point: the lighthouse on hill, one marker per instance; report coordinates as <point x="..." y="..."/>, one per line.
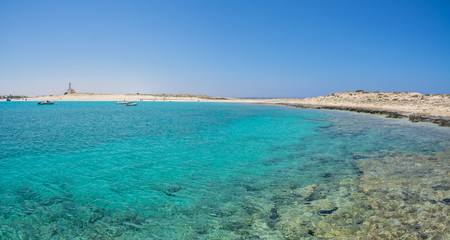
<point x="70" y="89"/>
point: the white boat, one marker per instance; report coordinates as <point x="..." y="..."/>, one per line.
<point x="130" y="104"/>
<point x="123" y="102"/>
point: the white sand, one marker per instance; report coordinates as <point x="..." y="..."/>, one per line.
<point x="437" y="105"/>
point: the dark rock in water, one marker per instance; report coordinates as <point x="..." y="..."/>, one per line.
<point x="433" y="201"/>
<point x="327" y="175"/>
<point x="311" y="232"/>
<point x="168" y="194"/>
<point x="441" y="187"/>
<point x="173" y="189"/>
<point x="250" y="188"/>
<point x="393" y="115"/>
<point x="417" y="227"/>
<point x="326" y="212"/>
<point x="442" y="122"/>
<point x="274" y="213"/>
<point x="446" y="200"/>
<point x="415" y="118"/>
<point x="359" y="172"/>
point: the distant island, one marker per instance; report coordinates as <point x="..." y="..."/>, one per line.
<point x="415" y="106"/>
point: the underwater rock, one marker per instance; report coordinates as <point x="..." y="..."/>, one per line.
<point x="274" y="213"/>
<point x="326" y="212"/>
<point x="168" y="193"/>
<point x="324" y="205"/>
<point x="327" y="175"/>
<point x="401" y="189"/>
<point x="446" y="200"/>
<point x="261" y="229"/>
<point x="441" y="187"/>
<point x="250" y="188"/>
<point x="305" y="192"/>
<point x="173" y="189"/>
<point x="292" y="227"/>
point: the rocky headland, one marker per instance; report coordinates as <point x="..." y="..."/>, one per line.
<point x="414" y="106"/>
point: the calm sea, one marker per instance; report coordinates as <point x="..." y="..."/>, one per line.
<point x="160" y="170"/>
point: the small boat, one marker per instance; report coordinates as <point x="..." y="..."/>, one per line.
<point x="123" y="102"/>
<point x="130" y="104"/>
<point x="46" y="103"/>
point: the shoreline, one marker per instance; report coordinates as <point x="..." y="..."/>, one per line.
<point x="441" y="121"/>
<point x="434" y="108"/>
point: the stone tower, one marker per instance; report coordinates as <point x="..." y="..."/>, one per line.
<point x="70" y="90"/>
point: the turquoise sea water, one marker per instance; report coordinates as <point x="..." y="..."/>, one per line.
<point x="97" y="170"/>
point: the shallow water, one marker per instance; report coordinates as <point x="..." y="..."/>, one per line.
<point x="190" y="170"/>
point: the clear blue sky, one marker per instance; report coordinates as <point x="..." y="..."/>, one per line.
<point x="243" y="48"/>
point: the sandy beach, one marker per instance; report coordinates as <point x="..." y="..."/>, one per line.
<point x="128" y="97"/>
<point x="415" y="106"/>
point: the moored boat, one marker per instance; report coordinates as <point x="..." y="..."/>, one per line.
<point x="130" y="104"/>
<point x="123" y="102"/>
<point x="46" y="103"/>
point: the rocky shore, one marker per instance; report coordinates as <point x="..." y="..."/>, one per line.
<point x="441" y="121"/>
<point x="416" y="107"/>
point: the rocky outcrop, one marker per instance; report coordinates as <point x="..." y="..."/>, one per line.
<point x="441" y="121"/>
